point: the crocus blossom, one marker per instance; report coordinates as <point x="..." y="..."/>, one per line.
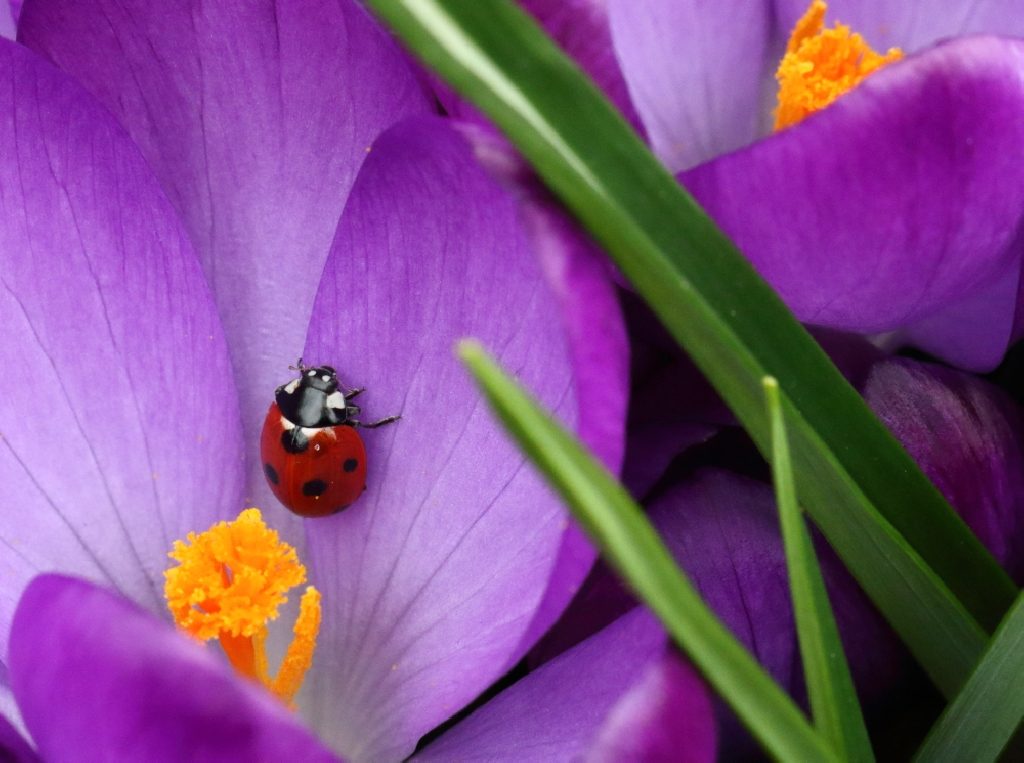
<point x="893" y="211"/>
<point x="205" y="194"/>
<point x="716" y="511"/>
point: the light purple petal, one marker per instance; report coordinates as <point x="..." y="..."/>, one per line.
<point x="586" y="698"/>
<point x="8" y="22"/>
<point x="8" y="707"/>
<point x="13" y="747"/>
<point x="255" y="117"/>
<point x="966" y="435"/>
<point x="118" y="415"/>
<point x="99" y="679"/>
<point x="901" y="199"/>
<point x="440" y="578"/>
<point x="583" y="30"/>
<point x="912" y="24"/>
<point x="696" y="71"/>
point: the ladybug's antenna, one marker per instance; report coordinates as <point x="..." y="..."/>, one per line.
<point x="299" y="366"/>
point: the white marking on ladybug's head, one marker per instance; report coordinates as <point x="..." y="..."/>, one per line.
<point x="326" y="378"/>
<point x="336" y="400"/>
<point x="311" y="372"/>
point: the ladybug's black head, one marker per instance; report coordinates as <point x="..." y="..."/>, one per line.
<point x="312" y="400"/>
<point x="322" y="378"/>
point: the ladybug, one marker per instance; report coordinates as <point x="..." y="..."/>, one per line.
<point x="313" y="457"/>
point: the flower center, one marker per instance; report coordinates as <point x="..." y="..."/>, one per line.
<point x="229" y="583"/>
<point x="821" y="64"/>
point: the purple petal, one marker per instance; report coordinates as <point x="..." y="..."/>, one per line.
<point x="589" y="700"/>
<point x="723" y="530"/>
<point x="913" y="24"/>
<point x="8" y="21"/>
<point x="582" y="28"/>
<point x="974" y="332"/>
<point x="901" y="199"/>
<point x="99" y="679"/>
<point x="119" y="421"/>
<point x="697" y="72"/>
<point x="8" y="707"/>
<point x="440" y="577"/>
<point x="255" y="117"/>
<point x="664" y="718"/>
<point x="965" y="434"/>
<point x="13" y="747"/>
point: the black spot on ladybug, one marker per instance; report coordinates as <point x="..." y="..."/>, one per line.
<point x="271" y="473"/>
<point x="314" y="488"/>
<point x="294" y="441"/>
<point x="350" y="465"/>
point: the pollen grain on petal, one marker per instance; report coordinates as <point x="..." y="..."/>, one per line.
<point x="822" y="64"/>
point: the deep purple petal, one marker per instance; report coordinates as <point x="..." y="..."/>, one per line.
<point x="579" y="280"/>
<point x="696" y="71"/>
<point x="583" y="30"/>
<point x="99" y="679"/>
<point x="119" y="420"/>
<point x="589" y="698"/>
<point x="440" y="577"/>
<point x="256" y="117"/>
<point x="901" y="199"/>
<point x="966" y="435"/>
<point x="723" y="530"/>
<point x="578" y="274"/>
<point x="973" y="332"/>
<point x="912" y="24"/>
<point x="13" y="747"/>
<point x="666" y="717"/>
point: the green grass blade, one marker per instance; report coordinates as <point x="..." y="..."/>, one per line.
<point x="632" y="545"/>
<point x="982" y="718"/>
<point x="834" y="703"/>
<point x="916" y="559"/>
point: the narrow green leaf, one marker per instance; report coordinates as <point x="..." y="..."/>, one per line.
<point x="982" y="718"/>
<point x="830" y="687"/>
<point x="929" y="575"/>
<point x="633" y="546"/>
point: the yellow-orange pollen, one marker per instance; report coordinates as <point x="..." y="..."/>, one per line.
<point x="821" y="64"/>
<point x="229" y="583"/>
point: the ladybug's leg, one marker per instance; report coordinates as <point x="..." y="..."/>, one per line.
<point x="352" y="393"/>
<point x="375" y="424"/>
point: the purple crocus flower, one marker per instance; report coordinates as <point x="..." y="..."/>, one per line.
<point x="894" y="211"/>
<point x="192" y="197"/>
<point x="715" y="509"/>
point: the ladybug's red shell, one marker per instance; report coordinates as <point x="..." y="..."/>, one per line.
<point x="314" y="471"/>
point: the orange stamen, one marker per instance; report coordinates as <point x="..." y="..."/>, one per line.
<point x="229" y="583"/>
<point x="822" y="64"/>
